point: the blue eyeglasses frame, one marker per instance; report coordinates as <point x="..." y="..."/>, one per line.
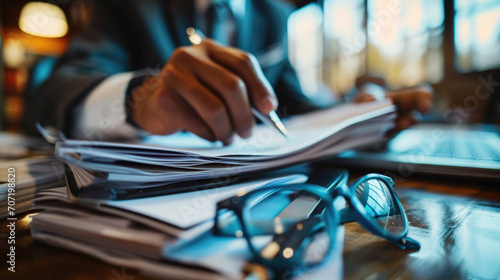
<point x="337" y="188"/>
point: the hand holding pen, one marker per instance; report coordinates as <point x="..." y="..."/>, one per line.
<point x="207" y="89"/>
<point x="272" y="119"/>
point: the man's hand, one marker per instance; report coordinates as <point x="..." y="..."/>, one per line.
<point x="206" y="89"/>
<point x="410" y="101"/>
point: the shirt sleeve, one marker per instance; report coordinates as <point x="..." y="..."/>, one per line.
<point x="102" y="114"/>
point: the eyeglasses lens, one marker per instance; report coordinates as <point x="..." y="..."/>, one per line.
<point x="290" y="225"/>
<point x="381" y="205"/>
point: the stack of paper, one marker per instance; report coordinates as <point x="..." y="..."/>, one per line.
<point x="29" y="166"/>
<point x="168" y="236"/>
<point x="169" y="161"/>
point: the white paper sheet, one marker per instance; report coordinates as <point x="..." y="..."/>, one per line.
<point x="184" y="157"/>
<point x="186" y="210"/>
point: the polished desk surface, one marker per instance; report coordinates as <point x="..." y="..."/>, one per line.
<point x="456" y="221"/>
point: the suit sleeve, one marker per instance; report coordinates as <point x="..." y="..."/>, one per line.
<point x="289" y="92"/>
<point x="92" y="56"/>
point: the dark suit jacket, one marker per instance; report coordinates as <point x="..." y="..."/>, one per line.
<point x="140" y="35"/>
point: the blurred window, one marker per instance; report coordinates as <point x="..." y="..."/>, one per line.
<point x="345" y="43"/>
<point x="400" y="41"/>
<point x="405" y="41"/>
<point x="305" y="42"/>
<point x="477" y="35"/>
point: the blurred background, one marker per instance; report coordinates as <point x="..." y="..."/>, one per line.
<point x="454" y="45"/>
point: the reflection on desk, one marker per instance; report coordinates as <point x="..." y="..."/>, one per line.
<point x="457" y="223"/>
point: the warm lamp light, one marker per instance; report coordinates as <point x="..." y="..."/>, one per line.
<point x="43" y="19"/>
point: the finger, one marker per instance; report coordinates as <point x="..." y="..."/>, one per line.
<point x="405" y="101"/>
<point x="232" y="91"/>
<point x="406" y="120"/>
<point x="148" y="113"/>
<point x="166" y="114"/>
<point x="246" y="66"/>
<point x="414" y="98"/>
<point x="366" y="97"/>
<point x="370" y="92"/>
<point x="425" y="102"/>
<point x="191" y="121"/>
<point x="206" y="104"/>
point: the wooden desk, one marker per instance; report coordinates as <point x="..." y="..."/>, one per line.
<point x="457" y="223"/>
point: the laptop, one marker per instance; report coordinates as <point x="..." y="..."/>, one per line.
<point x="471" y="151"/>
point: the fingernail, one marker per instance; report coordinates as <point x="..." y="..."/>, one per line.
<point x="428" y="106"/>
<point x="366" y="98"/>
<point x="246" y="134"/>
<point x="228" y="141"/>
<point x="267" y="105"/>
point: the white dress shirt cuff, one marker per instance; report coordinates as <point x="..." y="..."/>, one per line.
<point x="102" y="114"/>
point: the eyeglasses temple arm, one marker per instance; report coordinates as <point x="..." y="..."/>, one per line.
<point x="408" y="243"/>
<point x="327" y="177"/>
<point x="296" y="237"/>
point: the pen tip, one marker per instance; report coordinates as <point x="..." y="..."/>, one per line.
<point x="279" y="124"/>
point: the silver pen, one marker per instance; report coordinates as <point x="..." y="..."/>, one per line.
<point x="195" y="36"/>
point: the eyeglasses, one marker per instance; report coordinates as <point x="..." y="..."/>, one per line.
<point x="296" y="225"/>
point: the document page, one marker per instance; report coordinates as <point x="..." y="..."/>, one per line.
<point x="186" y="210"/>
<point x="303" y="131"/>
<point x="183" y="157"/>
